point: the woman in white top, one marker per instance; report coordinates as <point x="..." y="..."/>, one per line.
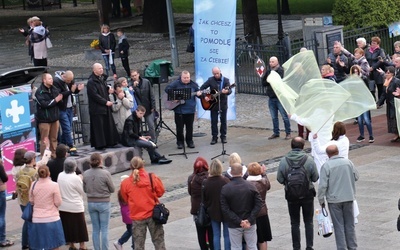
<point x="339" y="139"/>
<point x="72" y="207"/>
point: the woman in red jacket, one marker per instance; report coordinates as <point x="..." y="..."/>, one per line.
<point x="141" y="196"/>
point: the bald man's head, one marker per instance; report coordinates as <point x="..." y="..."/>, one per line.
<point x="298" y="143"/>
<point x="332" y="150"/>
<point x="273" y="62"/>
<point x="97" y="69"/>
<point x="68" y="76"/>
<point x="216" y="73"/>
<point x="236" y="169"/>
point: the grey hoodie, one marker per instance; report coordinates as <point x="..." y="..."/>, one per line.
<point x="295" y="155"/>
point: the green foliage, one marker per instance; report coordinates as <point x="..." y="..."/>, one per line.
<point x="268" y="6"/>
<point x="365" y="13"/>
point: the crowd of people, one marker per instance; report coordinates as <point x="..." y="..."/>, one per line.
<point x="235" y="201"/>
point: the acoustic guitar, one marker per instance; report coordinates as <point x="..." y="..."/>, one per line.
<point x="171" y="105"/>
<point x="213" y="96"/>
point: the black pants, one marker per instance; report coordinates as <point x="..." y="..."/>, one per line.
<point x="201" y="237"/>
<point x="40" y="62"/>
<point x="125" y="64"/>
<point x="214" y="123"/>
<point x="182" y="120"/>
<point x="307" y="207"/>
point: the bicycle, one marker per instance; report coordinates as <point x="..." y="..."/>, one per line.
<point x="245" y="49"/>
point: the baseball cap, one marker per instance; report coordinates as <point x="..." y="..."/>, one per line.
<point x="29" y="156"/>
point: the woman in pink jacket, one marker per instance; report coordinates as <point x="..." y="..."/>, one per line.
<point x="46" y="231"/>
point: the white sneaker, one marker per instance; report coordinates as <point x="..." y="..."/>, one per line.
<point x="117" y="245"/>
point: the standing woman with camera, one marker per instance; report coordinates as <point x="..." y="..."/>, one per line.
<point x="374" y="55"/>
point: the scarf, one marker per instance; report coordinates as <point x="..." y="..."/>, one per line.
<point x="372" y="49"/>
<point x="328" y="74"/>
<point x="387" y="82"/>
<point x="105" y="34"/>
<point x="121" y="38"/>
<point x="40" y="30"/>
<point x="254" y="178"/>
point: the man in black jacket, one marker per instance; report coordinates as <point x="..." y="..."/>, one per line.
<point x="64" y="82"/>
<point x="273" y="102"/>
<point x="132" y="137"/>
<point x="219" y="84"/>
<point x="240" y="204"/>
<point x="144" y="96"/>
<point x="47" y="112"/>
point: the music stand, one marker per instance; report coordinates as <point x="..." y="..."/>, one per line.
<point x="161" y="121"/>
<point x="180" y="95"/>
<point x="223" y="153"/>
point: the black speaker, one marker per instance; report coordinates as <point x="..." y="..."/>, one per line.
<point x="164" y="68"/>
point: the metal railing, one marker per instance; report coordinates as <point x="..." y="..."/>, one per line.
<point x="387" y="41"/>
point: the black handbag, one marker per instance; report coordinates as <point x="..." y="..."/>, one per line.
<point x="190" y="47"/>
<point x="398" y="223"/>
<point x="160" y="212"/>
<point x="202" y="218"/>
<point x="28" y="210"/>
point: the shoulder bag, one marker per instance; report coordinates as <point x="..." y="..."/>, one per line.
<point x="202" y="218"/>
<point x="160" y="212"/>
<point x="49" y="45"/>
<point x="28" y="210"/>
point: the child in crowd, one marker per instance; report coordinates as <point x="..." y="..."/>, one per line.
<point x="126" y="219"/>
<point x="123" y="49"/>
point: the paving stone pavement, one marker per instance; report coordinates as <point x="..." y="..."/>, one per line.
<point x="377" y="189"/>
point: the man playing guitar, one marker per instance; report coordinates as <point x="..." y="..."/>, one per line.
<point x="184" y="113"/>
<point x="220" y="84"/>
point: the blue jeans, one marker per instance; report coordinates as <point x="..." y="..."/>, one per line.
<point x="365" y="118"/>
<point x="125" y="237"/>
<point x="24" y="240"/>
<point x="150" y="124"/>
<point x="216" y="226"/>
<point x="2" y="216"/>
<point x="274" y="106"/>
<point x="100" y="215"/>
<point x="66" y="127"/>
<point x="106" y="59"/>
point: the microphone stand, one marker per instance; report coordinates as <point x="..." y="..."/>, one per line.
<point x="223" y="153"/>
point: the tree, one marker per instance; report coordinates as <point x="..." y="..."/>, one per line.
<point x="155" y="19"/>
<point x="104" y="7"/>
<point x="251" y="22"/>
<point x="365" y="13"/>
<point x="285" y="7"/>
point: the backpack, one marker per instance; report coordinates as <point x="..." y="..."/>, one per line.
<point x="297" y="182"/>
<point x="24" y="182"/>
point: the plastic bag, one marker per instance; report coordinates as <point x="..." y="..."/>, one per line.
<point x="325" y="227"/>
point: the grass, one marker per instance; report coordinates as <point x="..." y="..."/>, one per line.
<point x="268" y="6"/>
<point x="264" y="6"/>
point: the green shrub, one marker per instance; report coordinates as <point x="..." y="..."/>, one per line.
<point x="365" y="13"/>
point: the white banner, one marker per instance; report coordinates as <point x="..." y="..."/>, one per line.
<point x="214" y="39"/>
